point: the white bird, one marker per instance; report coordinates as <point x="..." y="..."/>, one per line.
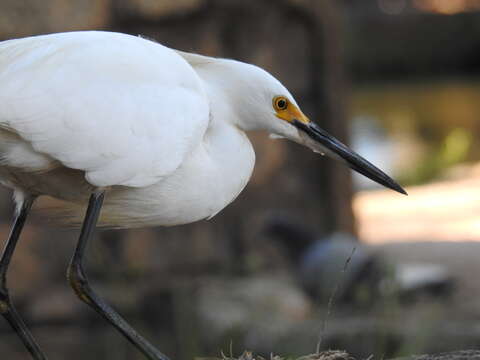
<point x="158" y="133"/>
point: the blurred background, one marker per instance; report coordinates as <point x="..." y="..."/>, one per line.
<point x="308" y="256"/>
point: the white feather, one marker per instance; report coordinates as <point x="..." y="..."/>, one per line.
<point x="162" y="130"/>
<point x="97" y="110"/>
<point x="276" y="136"/>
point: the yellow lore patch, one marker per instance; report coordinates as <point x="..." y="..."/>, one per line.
<point x="287" y="111"/>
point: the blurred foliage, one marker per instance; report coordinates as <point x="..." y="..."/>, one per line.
<point x="432" y="121"/>
<point x="452" y="150"/>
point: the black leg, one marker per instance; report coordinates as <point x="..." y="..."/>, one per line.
<point x="79" y="282"/>
<point x="6" y="306"/>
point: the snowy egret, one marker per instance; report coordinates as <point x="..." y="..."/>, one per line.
<point x="157" y="133"/>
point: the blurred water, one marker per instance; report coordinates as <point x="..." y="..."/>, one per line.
<point x="370" y="140"/>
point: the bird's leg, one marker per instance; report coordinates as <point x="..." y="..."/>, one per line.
<point x="6" y="306"/>
<point x="79" y="282"/>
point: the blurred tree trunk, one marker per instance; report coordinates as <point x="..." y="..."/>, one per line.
<point x="328" y="91"/>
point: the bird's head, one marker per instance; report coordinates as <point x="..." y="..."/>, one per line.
<point x="252" y="99"/>
<point x="264" y="103"/>
<point x="313" y="136"/>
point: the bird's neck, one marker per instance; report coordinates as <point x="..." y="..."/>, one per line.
<point x="225" y="91"/>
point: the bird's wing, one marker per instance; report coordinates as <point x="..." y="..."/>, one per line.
<point x="125" y="110"/>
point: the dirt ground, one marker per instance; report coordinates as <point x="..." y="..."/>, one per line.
<point x="461" y="259"/>
<point x="433" y="323"/>
<point x="456" y="355"/>
<point x="438" y="223"/>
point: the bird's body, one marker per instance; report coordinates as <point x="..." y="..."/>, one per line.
<point x="144" y="126"/>
<point x="150" y="135"/>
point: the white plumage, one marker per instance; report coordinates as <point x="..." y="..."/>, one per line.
<point x="83" y="99"/>
<point x="127" y="112"/>
<point x="162" y="130"/>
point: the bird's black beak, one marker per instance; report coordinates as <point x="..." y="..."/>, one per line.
<point x="342" y="152"/>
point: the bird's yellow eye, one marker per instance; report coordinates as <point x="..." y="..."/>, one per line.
<point x="280" y="103"/>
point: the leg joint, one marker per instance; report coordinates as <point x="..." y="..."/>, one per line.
<point x="4" y="301"/>
<point x="78" y="281"/>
